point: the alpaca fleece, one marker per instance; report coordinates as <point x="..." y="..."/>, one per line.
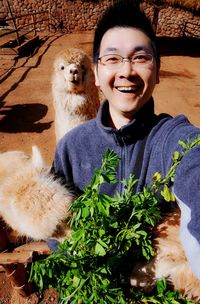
<point x="32" y="201"/>
<point x="75" y="96"/>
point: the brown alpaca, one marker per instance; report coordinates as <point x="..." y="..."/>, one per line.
<point x="75" y="96"/>
<point x="32" y="202"/>
<point x="170" y="261"/>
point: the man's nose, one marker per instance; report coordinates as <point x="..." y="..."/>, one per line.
<point x="127" y="68"/>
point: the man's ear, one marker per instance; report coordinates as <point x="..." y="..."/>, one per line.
<point x="157" y="78"/>
<point x="157" y="73"/>
<point x="96" y="75"/>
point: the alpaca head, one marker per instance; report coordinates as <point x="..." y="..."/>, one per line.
<point x="72" y="71"/>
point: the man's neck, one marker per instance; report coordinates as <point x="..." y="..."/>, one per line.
<point x="118" y="121"/>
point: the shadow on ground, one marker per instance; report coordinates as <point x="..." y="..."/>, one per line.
<point x="23" y="118"/>
<point x="179" y="46"/>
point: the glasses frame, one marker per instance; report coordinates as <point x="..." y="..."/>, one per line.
<point x="123" y="59"/>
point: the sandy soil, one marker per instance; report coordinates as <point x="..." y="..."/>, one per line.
<point x="26" y="112"/>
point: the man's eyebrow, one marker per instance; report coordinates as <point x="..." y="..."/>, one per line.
<point x="142" y="48"/>
<point x="135" y="49"/>
<point x="111" y="49"/>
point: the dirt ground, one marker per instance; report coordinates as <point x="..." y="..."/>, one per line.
<point x="26" y="112"/>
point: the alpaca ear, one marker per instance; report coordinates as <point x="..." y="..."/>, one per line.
<point x="37" y="159"/>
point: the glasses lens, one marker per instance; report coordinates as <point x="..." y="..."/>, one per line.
<point x="111" y="59"/>
<point x="142" y="58"/>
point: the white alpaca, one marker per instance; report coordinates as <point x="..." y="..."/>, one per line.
<point x="75" y="95"/>
<point x="32" y="202"/>
<point x="170" y="261"/>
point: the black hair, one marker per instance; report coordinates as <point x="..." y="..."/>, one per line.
<point x="124" y="13"/>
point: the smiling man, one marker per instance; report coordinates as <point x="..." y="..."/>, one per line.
<point x="127" y="65"/>
<point x="126" y="72"/>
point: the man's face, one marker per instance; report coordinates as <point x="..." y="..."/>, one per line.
<point x="128" y="86"/>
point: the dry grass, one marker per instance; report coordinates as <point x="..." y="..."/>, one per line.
<point x="192" y="5"/>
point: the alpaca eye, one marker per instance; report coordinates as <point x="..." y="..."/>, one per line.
<point x="62" y="67"/>
<point x="83" y="67"/>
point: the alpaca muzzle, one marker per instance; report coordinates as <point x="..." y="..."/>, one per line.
<point x="74" y="74"/>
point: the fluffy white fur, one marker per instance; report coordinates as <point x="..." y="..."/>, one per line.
<point x="32" y="202"/>
<point x="75" y="95"/>
<point x="170" y="261"/>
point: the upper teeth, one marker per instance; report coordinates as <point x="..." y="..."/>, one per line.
<point x="126" y="88"/>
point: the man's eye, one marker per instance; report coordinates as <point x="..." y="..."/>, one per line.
<point x="112" y="59"/>
<point x="141" y="58"/>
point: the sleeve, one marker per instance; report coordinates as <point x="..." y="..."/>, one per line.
<point x="187" y="191"/>
<point x="186" y="185"/>
<point x="190" y="244"/>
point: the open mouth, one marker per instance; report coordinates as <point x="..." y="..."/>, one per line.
<point x="74" y="78"/>
<point x="130" y="89"/>
<point x="75" y="81"/>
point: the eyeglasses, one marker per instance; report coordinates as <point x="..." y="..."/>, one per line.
<point x="115" y="61"/>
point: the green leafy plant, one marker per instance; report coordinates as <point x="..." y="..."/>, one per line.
<point x="108" y="235"/>
<point x="162" y="295"/>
